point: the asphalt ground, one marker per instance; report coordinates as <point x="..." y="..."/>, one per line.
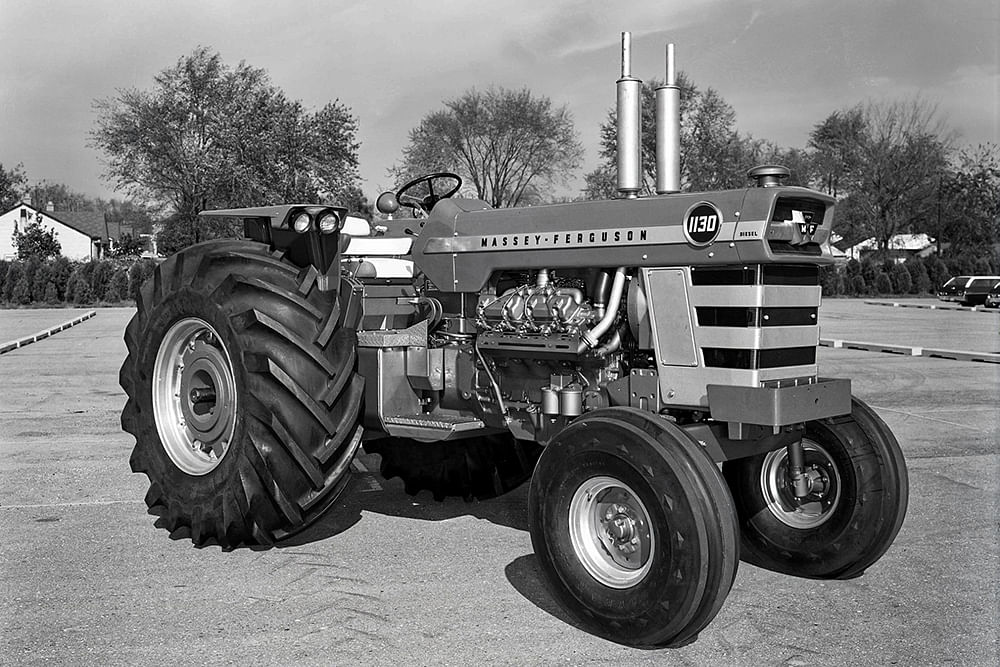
<point x="386" y="578"/>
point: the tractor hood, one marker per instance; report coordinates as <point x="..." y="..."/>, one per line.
<point x="464" y="240"/>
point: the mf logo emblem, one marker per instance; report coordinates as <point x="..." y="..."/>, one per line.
<point x="702" y="224"/>
<point x="805" y="222"/>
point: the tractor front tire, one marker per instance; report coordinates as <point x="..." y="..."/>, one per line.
<point x="634" y="528"/>
<point x="852" y="514"/>
<point x="242" y="394"/>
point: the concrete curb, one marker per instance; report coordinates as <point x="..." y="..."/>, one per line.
<point x="912" y="351"/>
<point x="897" y="304"/>
<point x="45" y="333"/>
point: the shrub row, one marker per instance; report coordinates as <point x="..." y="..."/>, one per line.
<point x="111" y="281"/>
<point x="57" y="281"/>
<point x="915" y="276"/>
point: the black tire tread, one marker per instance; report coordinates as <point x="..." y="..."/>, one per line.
<point x="292" y="464"/>
<point x="879" y="468"/>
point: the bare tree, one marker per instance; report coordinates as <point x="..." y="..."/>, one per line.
<point x="509" y="146"/>
<point x="899" y="157"/>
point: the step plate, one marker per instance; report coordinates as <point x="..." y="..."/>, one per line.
<point x="430" y="427"/>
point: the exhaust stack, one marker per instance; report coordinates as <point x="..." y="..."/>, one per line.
<point x="668" y="131"/>
<point x="629" y="97"/>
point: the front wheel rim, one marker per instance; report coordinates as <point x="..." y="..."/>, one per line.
<point x="194" y="396"/>
<point x="611" y="532"/>
<point x="825" y="484"/>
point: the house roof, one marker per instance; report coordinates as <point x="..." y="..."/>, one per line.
<point x="91" y="223"/>
<point x="899" y="242"/>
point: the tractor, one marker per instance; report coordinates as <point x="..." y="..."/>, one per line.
<point x="647" y="362"/>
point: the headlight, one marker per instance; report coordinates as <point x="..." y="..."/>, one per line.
<point x="302" y="223"/>
<point x="329" y="222"/>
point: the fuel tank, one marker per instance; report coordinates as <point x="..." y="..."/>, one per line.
<point x="464" y="241"/>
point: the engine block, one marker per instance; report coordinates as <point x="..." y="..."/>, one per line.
<point x="527" y="309"/>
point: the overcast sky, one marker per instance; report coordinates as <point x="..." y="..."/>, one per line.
<point x="784" y="65"/>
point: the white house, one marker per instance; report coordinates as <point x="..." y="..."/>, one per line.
<point x="901" y="247"/>
<point x="82" y="235"/>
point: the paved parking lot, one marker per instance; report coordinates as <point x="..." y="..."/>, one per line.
<point x="85" y="578"/>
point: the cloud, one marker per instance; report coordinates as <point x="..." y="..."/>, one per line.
<point x="783" y="64"/>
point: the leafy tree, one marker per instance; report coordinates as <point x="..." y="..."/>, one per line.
<point x="902" y="281"/>
<point x="21" y="294"/>
<point x="509" y="146"/>
<point x="13" y="277"/>
<point x="61" y="197"/>
<point x="918" y="273"/>
<point x="34" y="241"/>
<point x="835" y="143"/>
<point x="39" y="284"/>
<point x="883" y="285"/>
<point x="78" y="289"/>
<point x="127" y="246"/>
<point x="937" y="271"/>
<point x="207" y="135"/>
<point x="13" y="182"/>
<point x="62" y="267"/>
<point x="101" y="274"/>
<point x="138" y="273"/>
<point x="967" y="212"/>
<point x="117" y="289"/>
<point x="51" y="295"/>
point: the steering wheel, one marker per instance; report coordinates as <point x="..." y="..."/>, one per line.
<point x="426" y="202"/>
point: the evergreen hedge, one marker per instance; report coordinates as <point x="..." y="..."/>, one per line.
<point x="61" y="281"/>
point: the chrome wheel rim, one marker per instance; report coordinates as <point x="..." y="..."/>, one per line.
<point x="611" y="533"/>
<point x="825" y="485"/>
<point x="194" y="396"/>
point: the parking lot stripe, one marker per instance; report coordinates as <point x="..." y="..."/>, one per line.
<point x="45" y="333"/>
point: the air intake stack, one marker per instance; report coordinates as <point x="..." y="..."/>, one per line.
<point x="629" y="125"/>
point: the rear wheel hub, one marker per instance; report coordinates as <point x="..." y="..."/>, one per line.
<point x="194" y="396"/>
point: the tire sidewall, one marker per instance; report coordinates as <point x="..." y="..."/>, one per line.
<point x="837" y="545"/>
<point x="176" y="484"/>
<point x="581" y="453"/>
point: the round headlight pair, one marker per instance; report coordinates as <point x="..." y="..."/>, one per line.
<point x="328" y="223"/>
<point x="302" y="223"/>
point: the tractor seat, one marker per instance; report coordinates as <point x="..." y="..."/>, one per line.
<point x="375" y="257"/>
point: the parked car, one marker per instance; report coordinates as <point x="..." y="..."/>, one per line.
<point x="993" y="298"/>
<point x="967" y="290"/>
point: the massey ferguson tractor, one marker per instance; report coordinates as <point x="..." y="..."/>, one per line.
<point x="648" y="362"/>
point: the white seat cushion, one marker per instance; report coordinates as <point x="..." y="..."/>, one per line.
<point x="355" y="226"/>
<point x="379" y="246"/>
<point x="381" y="267"/>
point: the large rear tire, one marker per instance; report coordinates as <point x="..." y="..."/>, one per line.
<point x="852" y="514"/>
<point x="634" y="528"/>
<point x="473" y="468"/>
<point x="242" y="394"/>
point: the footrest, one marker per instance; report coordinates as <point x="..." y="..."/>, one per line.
<point x="430" y="426"/>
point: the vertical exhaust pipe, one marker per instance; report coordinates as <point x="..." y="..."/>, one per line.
<point x="668" y="131"/>
<point x="629" y="126"/>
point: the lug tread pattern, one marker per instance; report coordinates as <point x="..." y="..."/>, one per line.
<point x="298" y="405"/>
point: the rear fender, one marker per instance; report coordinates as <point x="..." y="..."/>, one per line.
<point x="272" y="225"/>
